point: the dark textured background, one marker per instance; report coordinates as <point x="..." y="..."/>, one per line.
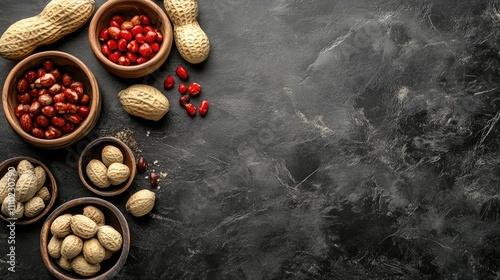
<point x="345" y="140"/>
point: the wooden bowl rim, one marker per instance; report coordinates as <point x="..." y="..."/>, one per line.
<point x="132" y="71"/>
<point x="67" y="139"/>
<point x="53" y="190"/>
<point x="128" y="154"/>
<point x="45" y="231"/>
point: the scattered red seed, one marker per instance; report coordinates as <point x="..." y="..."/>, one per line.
<point x="169" y="82"/>
<point x="203" y="108"/>
<point x="182" y="72"/>
<point x="191" y="110"/>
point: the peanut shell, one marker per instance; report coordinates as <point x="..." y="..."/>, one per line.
<point x="95" y="214"/>
<point x="26" y="186"/>
<point x="57" y="19"/>
<point x="61" y="226"/>
<point x="93" y="251"/>
<point x="54" y="247"/>
<point x="140" y="203"/>
<point x="111" y="154"/>
<point x="118" y="173"/>
<point x="84" y="268"/>
<point x="97" y="173"/>
<point x="64" y="263"/>
<point x="33" y="207"/>
<point x="83" y="226"/>
<point x="110" y="238"/>
<point x="71" y="246"/>
<point x="144" y="101"/>
<point x="24" y="165"/>
<point x="41" y="176"/>
<point x="17" y="211"/>
<point x="43" y="193"/>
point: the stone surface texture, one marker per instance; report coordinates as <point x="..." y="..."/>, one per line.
<point x="345" y="140"/>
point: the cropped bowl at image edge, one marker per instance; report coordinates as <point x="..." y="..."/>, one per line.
<point x="128" y="9"/>
<point x="50" y="183"/>
<point x="113" y="217"/>
<point x="66" y="63"/>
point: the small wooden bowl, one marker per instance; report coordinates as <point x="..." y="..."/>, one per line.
<point x="129" y="8"/>
<point x="50" y="183"/>
<point x="93" y="151"/>
<point x="66" y="63"/>
<point x="113" y="217"/>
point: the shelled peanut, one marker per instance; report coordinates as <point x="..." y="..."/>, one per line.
<point x="30" y="193"/>
<point x="80" y="242"/>
<point x="50" y="102"/>
<point x="109" y="170"/>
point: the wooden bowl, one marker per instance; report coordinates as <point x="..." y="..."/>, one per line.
<point x="66" y="63"/>
<point x="113" y="217"/>
<point x="50" y="183"/>
<point x="93" y="151"/>
<point x="129" y="8"/>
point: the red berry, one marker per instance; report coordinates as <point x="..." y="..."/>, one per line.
<point x="48" y="65"/>
<point x="169" y="82"/>
<point x="203" y="108"/>
<point x="150" y="36"/>
<point x="119" y="19"/>
<point x="182" y="88"/>
<point x="114" y="57"/>
<point x="83" y="111"/>
<point x="104" y="35"/>
<point x="114" y="32"/>
<point x="141" y="60"/>
<point x="42" y="121"/>
<point x="145" y="50"/>
<point x="114" y="23"/>
<point x="155" y="47"/>
<point x="132" y="57"/>
<point x="37" y="132"/>
<point x="182" y="72"/>
<point x="184" y="100"/>
<point x="127" y="35"/>
<point x="159" y="37"/>
<point x="140" y="38"/>
<point x="136" y="30"/>
<point x="133" y="46"/>
<point x="123" y="60"/>
<point x="191" y="110"/>
<point x="127" y="25"/>
<point x="122" y="45"/>
<point x="85" y="100"/>
<point x="145" y="20"/>
<point x="112" y="45"/>
<point x="194" y="89"/>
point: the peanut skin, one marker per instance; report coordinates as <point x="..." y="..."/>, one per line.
<point x="58" y="19"/>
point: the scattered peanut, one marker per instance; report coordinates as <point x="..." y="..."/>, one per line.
<point x="141" y="203"/>
<point x="144" y="101"/>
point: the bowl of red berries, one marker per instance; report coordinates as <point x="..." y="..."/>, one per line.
<point x="131" y="39"/>
<point x="51" y="99"/>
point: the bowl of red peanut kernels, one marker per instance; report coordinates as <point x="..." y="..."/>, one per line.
<point x="131" y="39"/>
<point x="51" y="99"/>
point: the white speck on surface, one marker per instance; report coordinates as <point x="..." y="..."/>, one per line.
<point x="147" y="133"/>
<point x="155" y="162"/>
<point x="163" y="174"/>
